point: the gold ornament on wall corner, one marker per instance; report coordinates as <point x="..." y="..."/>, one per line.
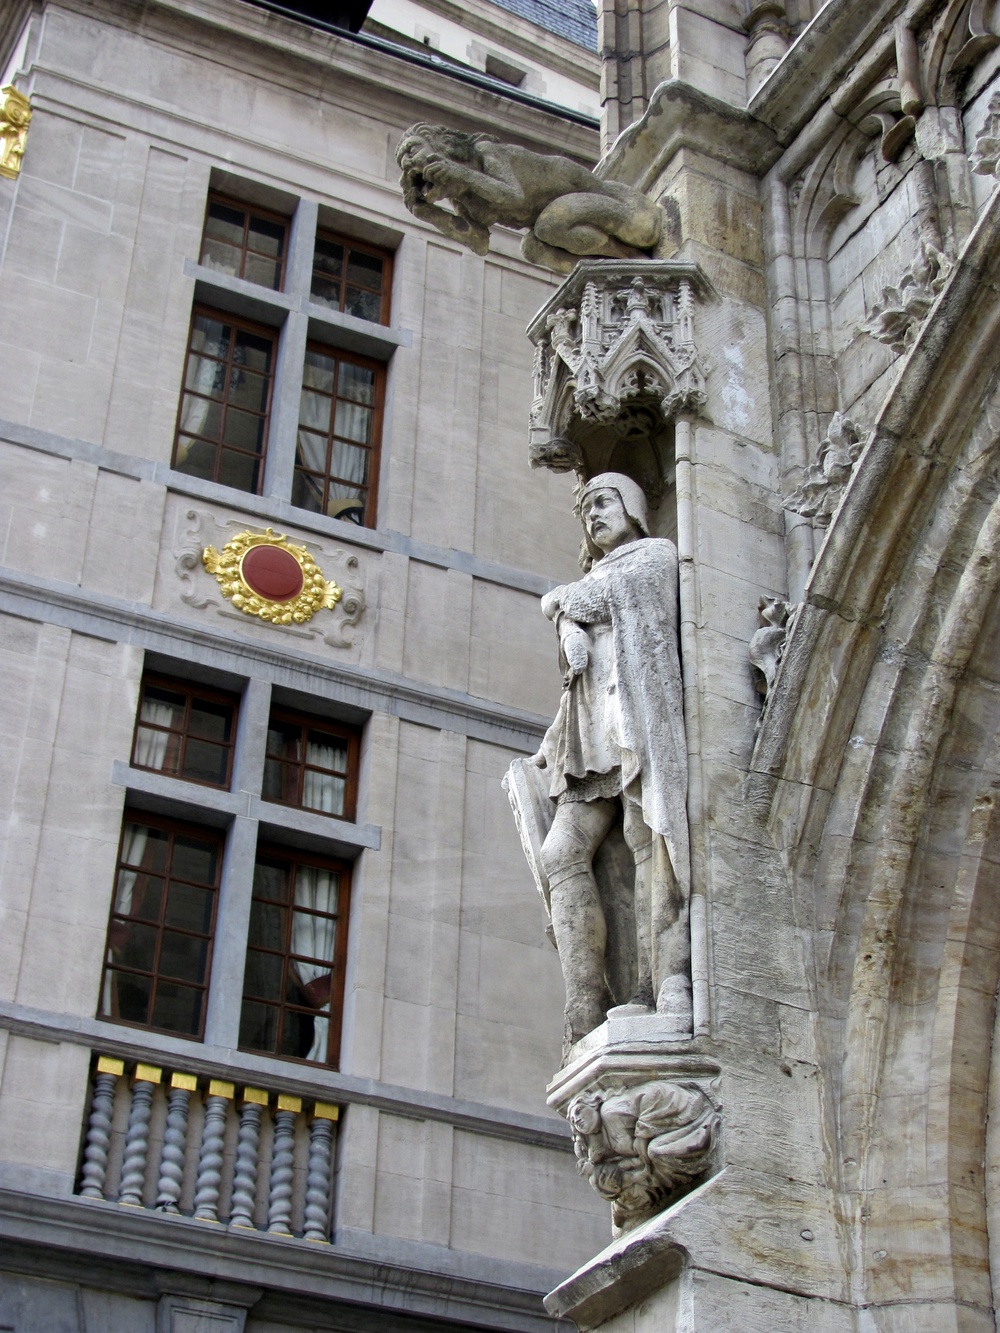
<point x="264" y="575"/>
<point x="15" y="113"/>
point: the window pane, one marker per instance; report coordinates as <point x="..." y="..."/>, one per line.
<point x="205" y="376"/>
<point x="210" y="336"/>
<point x="264" y="976"/>
<point x="314" y="410"/>
<point x="322" y="751"/>
<point x="183" y="957"/>
<point x="312" y="451"/>
<point x="212" y="720"/>
<point x="266" y="237"/>
<point x="323" y="792"/>
<point x="190" y="908"/>
<point x="258" y="1027"/>
<point x="128" y="997"/>
<point x="145" y="847"/>
<point x="265" y="272"/>
<point x="356" y="383"/>
<point x="244" y="431"/>
<point x="144" y="898"/>
<point x="247" y="390"/>
<point x="138" y="946"/>
<point x="238" y="470"/>
<point x="307" y="492"/>
<point x="225" y="222"/>
<point x="177" y="1008"/>
<point x="348" y="463"/>
<point x="326" y="292"/>
<point x="329" y="258"/>
<point x="194" y="860"/>
<point x="365" y="270"/>
<point x="319" y="371"/>
<point x="363" y="304"/>
<point x="270" y="881"/>
<point x="253" y="351"/>
<point x="221" y="257"/>
<point x="355" y="423"/>
<point x="196" y="458"/>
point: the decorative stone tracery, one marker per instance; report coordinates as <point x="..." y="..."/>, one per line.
<point x="615" y="347"/>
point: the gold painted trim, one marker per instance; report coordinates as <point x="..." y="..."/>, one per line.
<point x="186" y="1082"/>
<point x="318" y="593"/>
<point x="107" y="1064"/>
<point x="147" y="1074"/>
<point x="326" y="1111"/>
<point x="15" y="115"/>
<point x="220" y="1088"/>
<point x="256" y="1095"/>
<point x="286" y="1102"/>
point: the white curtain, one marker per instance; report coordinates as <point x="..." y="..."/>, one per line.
<point x="134" y="842"/>
<point x="151" y="746"/>
<point x="323" y="791"/>
<point x="195" y="410"/>
<point x="315" y="937"/>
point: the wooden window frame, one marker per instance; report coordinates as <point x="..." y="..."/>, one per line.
<point x="378" y="368"/>
<point x="174" y="827"/>
<point x="249" y="211"/>
<point x="294" y="857"/>
<point x="376" y="252"/>
<point x="191" y="690"/>
<point x="247" y="326"/>
<point x="341" y="732"/>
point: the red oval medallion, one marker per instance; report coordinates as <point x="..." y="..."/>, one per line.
<point x="272" y="572"/>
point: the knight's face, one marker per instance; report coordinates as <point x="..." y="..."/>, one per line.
<point x="608" y="526"/>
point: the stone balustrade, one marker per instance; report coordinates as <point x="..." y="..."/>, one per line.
<point x="210" y="1149"/>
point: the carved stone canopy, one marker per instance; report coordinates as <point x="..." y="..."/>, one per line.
<point x="616" y="361"/>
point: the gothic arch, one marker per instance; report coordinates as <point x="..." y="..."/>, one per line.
<point x="878" y="771"/>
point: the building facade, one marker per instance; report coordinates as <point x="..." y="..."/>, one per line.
<point x="278" y="1014"/>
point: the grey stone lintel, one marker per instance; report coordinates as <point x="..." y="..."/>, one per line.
<point x="115" y="620"/>
<point x="260" y="1070"/>
<point x="160" y="794"/>
<point x="273" y="509"/>
<point x="142" y="1252"/>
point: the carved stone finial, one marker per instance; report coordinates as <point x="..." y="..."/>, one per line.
<point x="15" y="115"/>
<point x="821" y="489"/>
<point x="897" y="318"/>
<point x="568" y="210"/>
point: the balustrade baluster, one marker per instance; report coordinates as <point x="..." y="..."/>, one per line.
<point x="137" y="1135"/>
<point x="279" y="1212"/>
<point x="95" y="1154"/>
<point x="317" y="1217"/>
<point x="206" y="1199"/>
<point x="174" y="1143"/>
<point x="247" y="1159"/>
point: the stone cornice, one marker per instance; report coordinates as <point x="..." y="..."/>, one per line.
<point x="517" y="34"/>
<point x="143" y="1253"/>
<point x="681" y="116"/>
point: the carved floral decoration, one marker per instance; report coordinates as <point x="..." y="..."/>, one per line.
<point x="264" y="575"/>
<point x="821" y="489"/>
<point x="986" y="151"/>
<point x="615" y="332"/>
<point x="768" y="643"/>
<point x="642" y="1145"/>
<point x="896" y="319"/>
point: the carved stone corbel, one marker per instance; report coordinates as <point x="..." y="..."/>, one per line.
<point x="986" y="151"/>
<point x="645" y="1120"/>
<point x="897" y="318"/>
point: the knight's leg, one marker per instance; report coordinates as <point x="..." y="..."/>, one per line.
<point x="640" y="843"/>
<point x="578" y="923"/>
<point x="661" y="914"/>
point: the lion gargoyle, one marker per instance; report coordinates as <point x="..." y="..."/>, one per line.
<point x="569" y="213"/>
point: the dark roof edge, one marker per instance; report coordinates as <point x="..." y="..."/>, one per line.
<point x="472" y="78"/>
